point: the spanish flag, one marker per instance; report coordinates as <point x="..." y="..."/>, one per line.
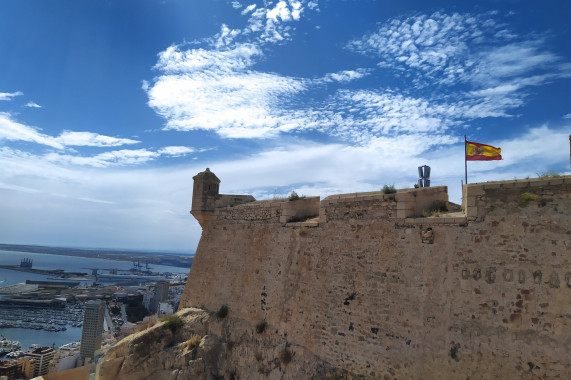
<point x="482" y="152"/>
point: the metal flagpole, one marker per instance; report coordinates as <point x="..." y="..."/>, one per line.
<point x="465" y="162"/>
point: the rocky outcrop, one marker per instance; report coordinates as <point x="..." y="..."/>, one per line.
<point x="228" y="348"/>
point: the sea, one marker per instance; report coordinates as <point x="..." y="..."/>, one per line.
<point x="27" y="337"/>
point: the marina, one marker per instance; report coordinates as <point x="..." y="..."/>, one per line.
<point x="38" y="327"/>
<point x="45" y="321"/>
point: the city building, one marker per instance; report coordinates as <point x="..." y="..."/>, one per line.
<point x="165" y="308"/>
<point x="162" y="290"/>
<point x="91" y="334"/>
<point x="37" y="362"/>
<point x="10" y="369"/>
<point x="161" y="295"/>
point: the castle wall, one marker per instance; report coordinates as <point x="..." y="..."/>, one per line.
<point x="481" y="295"/>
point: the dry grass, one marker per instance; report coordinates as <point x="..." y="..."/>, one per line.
<point x="193" y="342"/>
<point x="146" y="325"/>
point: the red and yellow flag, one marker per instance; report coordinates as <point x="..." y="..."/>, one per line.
<point x="482" y="152"/>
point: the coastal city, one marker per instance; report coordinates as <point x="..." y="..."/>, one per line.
<point x="93" y="309"/>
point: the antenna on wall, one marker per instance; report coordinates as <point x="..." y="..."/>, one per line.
<point x="424" y="174"/>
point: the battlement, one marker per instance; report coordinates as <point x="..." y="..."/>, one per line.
<point x="489" y="198"/>
<point x="410" y="205"/>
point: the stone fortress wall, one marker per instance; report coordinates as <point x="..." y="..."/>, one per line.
<point x="370" y="286"/>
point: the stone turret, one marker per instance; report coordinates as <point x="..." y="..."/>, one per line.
<point x="204" y="195"/>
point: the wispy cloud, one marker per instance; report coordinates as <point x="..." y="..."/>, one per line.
<point x="449" y="49"/>
<point x="15" y="131"/>
<point x="32" y="105"/>
<point x="10" y="95"/>
<point x="123" y="157"/>
<point x="70" y="138"/>
<point x="272" y="23"/>
<point x="215" y="90"/>
<point x="346" y="75"/>
<point x="176" y="151"/>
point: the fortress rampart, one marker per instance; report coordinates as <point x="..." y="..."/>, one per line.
<point x="370" y="286"/>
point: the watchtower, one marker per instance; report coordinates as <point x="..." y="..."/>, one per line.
<point x="204" y="195"/>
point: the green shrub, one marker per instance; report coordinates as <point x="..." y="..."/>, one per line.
<point x="222" y="312"/>
<point x="438" y="207"/>
<point x="172" y="322"/>
<point x="302" y="231"/>
<point x="527" y="197"/>
<point x="389" y="189"/>
<point x="261" y="327"/>
<point x="435" y="209"/>
<point x="293" y="196"/>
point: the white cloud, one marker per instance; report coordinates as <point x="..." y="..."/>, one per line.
<point x="432" y="44"/>
<point x="70" y="138"/>
<point x="10" y="95"/>
<point x="14" y="131"/>
<point x="226" y="36"/>
<point x="567" y="116"/>
<point x="249" y="9"/>
<point x="214" y="90"/>
<point x="32" y="105"/>
<point x="117" y="158"/>
<point x="176" y="151"/>
<point x="281" y="10"/>
<point x="236" y="5"/>
<point x="271" y="24"/>
<point x="176" y="61"/>
<point x="449" y="49"/>
<point x="346" y="75"/>
<point x="514" y="60"/>
<point x="122" y="157"/>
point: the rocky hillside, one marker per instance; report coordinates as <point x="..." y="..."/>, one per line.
<point x="206" y="346"/>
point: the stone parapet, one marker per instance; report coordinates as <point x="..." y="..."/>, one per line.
<point x="402" y="204"/>
<point x="278" y="211"/>
<point x="481" y="199"/>
<point x="269" y="211"/>
<point x="299" y="210"/>
<point x="357" y="206"/>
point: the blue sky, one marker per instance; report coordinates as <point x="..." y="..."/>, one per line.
<point x="108" y="108"/>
